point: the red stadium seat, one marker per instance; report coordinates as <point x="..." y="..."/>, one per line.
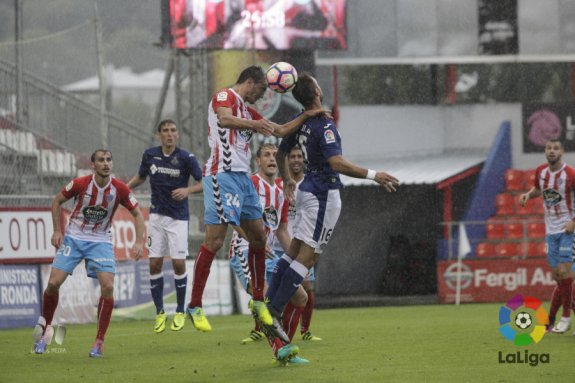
<point x="514" y="230"/>
<point x="495" y="229"/>
<point x="515" y="180"/>
<point x="536" y="229"/>
<point x="536" y="249"/>
<point x="485" y="249"/>
<point x="505" y="204"/>
<point x="529" y="207"/>
<point x="508" y="249"/>
<point x="536" y="206"/>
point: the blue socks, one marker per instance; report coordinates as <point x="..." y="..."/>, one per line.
<point x="157" y="289"/>
<point x="181" y="281"/>
<point x="290" y="282"/>
<point x="280" y="268"/>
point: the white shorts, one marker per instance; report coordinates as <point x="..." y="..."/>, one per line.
<point x="167" y="236"/>
<point x="316" y="216"/>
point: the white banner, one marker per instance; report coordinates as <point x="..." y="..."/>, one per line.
<point x="26" y="234"/>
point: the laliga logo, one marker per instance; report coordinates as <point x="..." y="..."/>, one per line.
<point x="519" y="315"/>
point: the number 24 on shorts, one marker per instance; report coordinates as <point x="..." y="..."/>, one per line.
<point x="232" y="200"/>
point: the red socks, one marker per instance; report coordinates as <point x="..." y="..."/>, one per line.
<point x="291" y="317"/>
<point x="565" y="292"/>
<point x="201" y="273"/>
<point x="105" y="307"/>
<point x="555" y="303"/>
<point x="257" y="265"/>
<point x="49" y="305"/>
<point x="307" y="312"/>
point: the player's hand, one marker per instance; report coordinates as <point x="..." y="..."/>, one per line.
<point x="523" y="199"/>
<point x="56" y="239"/>
<point x="389" y="182"/>
<point x="289" y="190"/>
<point x="270" y="254"/>
<point x="264" y="127"/>
<point x="325" y="113"/>
<point x="179" y="194"/>
<point x="138" y="249"/>
<point x="570" y="227"/>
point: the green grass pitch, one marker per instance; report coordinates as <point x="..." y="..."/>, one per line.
<point x="437" y="343"/>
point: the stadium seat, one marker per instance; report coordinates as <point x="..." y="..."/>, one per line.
<point x="529" y="207"/>
<point x="505" y="204"/>
<point x="536" y="249"/>
<point x="529" y="177"/>
<point x="507" y="249"/>
<point x="495" y="228"/>
<point x="514" y="230"/>
<point x="515" y="180"/>
<point x="536" y="229"/>
<point x="485" y="249"/>
<point x="536" y="207"/>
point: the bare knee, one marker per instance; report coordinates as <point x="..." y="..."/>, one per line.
<point x="299" y="299"/>
<point x="107" y="289"/>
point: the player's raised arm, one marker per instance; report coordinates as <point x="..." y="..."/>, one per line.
<point x="289" y="182"/>
<point x="292" y="126"/>
<point x="227" y="120"/>
<point x="343" y="166"/>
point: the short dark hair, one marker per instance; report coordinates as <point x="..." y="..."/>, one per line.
<point x="266" y="145"/>
<point x="93" y="156"/>
<point x="304" y="90"/>
<point x="556" y="140"/>
<point x="166" y="122"/>
<point x="255" y="72"/>
<point x="296" y="147"/>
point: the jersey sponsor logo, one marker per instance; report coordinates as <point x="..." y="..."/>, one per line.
<point x="270" y="217"/>
<point x="162" y="170"/>
<point x="69" y="186"/>
<point x="94" y="214"/>
<point x="329" y="136"/>
<point x="551" y="197"/>
<point x="222" y="96"/>
<point x="246" y="134"/>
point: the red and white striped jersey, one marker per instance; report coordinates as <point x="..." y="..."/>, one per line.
<point x="94" y="207"/>
<point x="230" y="147"/>
<point x="291" y="213"/>
<point x="275" y="211"/>
<point x="558" y="192"/>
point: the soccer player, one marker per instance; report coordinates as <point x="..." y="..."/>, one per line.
<point x="296" y="167"/>
<point x="555" y="182"/>
<point x="229" y="194"/>
<point x="88" y="238"/>
<point x="169" y="168"/>
<point x="275" y="219"/>
<point x="318" y="202"/>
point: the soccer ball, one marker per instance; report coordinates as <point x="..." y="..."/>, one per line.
<point x="281" y="77"/>
<point x="523" y="320"/>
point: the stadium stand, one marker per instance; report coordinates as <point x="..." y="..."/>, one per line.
<point x="514" y="231"/>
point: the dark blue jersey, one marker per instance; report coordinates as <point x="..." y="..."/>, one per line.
<point x="319" y="140"/>
<point x="168" y="173"/>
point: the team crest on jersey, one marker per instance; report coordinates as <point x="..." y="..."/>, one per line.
<point x="271" y="217"/>
<point x="110" y="197"/>
<point x="222" y="96"/>
<point x="174" y="161"/>
<point x="329" y="136"/>
<point x="246" y="134"/>
<point x="69" y="186"/>
<point x="560" y="181"/>
<point x="94" y="214"/>
<point x="551" y="197"/>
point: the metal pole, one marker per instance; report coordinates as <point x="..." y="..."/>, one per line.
<point x="163" y="95"/>
<point x="18" y="62"/>
<point x="102" y="79"/>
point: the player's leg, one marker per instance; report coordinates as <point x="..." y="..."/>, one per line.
<point x="308" y="285"/>
<point x="157" y="248"/>
<point x="561" y="266"/>
<point x="43" y="331"/>
<point x="293" y="311"/>
<point x="105" y="308"/>
<point x="282" y="264"/>
<point x="552" y="242"/>
<point x="67" y="258"/>
<point x="177" y="234"/>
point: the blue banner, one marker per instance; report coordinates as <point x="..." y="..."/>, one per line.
<point x="20" y="299"/>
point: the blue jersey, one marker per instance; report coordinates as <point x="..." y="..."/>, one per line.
<point x="319" y="140"/>
<point x="168" y="173"/>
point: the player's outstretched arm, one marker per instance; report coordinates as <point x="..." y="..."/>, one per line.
<point x="292" y="126"/>
<point x="135" y="182"/>
<point x="57" y="236"/>
<point x="227" y="120"/>
<point x="138" y="249"/>
<point x="533" y="193"/>
<point x="343" y="166"/>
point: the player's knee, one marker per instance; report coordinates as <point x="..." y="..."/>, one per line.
<point x="53" y="287"/>
<point x="214" y="244"/>
<point x="107" y="289"/>
<point x="300" y="298"/>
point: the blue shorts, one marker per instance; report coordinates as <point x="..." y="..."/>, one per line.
<point x="309" y="277"/>
<point x="98" y="256"/>
<point x="559" y="248"/>
<point x="229" y="198"/>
